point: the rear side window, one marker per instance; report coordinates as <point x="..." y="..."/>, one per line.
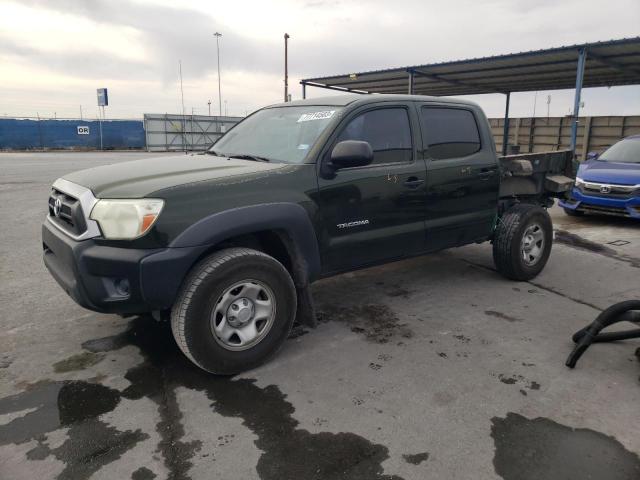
<point x="449" y="132"/>
<point x="387" y="131"/>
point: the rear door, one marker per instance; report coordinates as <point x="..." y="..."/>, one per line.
<point x="462" y="175"/>
<point x="375" y="212"/>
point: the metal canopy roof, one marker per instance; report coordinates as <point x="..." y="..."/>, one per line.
<point x="611" y="63"/>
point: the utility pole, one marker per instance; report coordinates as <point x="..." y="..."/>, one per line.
<point x="218" y="35"/>
<point x="286" y="68"/>
<point x="184" y="143"/>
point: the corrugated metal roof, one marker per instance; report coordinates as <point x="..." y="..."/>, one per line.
<point x="610" y="63"/>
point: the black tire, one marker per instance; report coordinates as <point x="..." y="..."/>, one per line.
<point x="191" y="316"/>
<point x="508" y="253"/>
<point x="573" y="213"/>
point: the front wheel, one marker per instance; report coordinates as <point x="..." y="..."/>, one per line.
<point x="522" y="242"/>
<point x="234" y="310"/>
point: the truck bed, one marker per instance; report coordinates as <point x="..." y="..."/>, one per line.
<point x="545" y="174"/>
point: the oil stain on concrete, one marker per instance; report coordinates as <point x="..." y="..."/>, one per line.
<point x="143" y="473"/>
<point x="376" y="322"/>
<point x="287" y="451"/>
<point x="577" y="241"/>
<point x="79" y="361"/>
<point x="502" y="316"/>
<point x="533" y="449"/>
<point x="520" y="380"/>
<point x="75" y="405"/>
<point x="416" y="458"/>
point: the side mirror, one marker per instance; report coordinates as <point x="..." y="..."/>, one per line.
<point x="351" y="153"/>
<point x="592" y="155"/>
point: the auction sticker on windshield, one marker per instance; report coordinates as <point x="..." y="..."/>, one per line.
<point x="307" y="117"/>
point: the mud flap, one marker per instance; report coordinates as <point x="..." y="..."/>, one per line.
<point x="306" y="312"/>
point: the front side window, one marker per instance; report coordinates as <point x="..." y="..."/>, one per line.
<point x="281" y="134"/>
<point x="388" y="132"/>
<point x="449" y="132"/>
<point x="625" y="151"/>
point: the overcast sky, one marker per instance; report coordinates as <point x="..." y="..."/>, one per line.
<point x="55" y="53"/>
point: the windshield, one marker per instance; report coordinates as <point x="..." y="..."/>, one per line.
<point x="625" y="151"/>
<point x="281" y="134"/>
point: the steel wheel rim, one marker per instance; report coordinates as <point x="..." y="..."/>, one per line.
<point x="243" y="315"/>
<point x="532" y="246"/>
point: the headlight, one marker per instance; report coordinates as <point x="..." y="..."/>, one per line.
<point x="579" y="182"/>
<point x="126" y="219"/>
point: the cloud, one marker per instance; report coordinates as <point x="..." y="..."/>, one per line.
<point x="167" y="35"/>
<point x="139" y="42"/>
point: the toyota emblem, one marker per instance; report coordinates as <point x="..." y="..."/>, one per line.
<point x="605" y="189"/>
<point x="57" y="206"/>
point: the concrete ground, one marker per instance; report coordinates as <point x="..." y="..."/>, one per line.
<point x="431" y="368"/>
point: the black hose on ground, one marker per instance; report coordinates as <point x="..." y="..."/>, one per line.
<point x="619" y="312"/>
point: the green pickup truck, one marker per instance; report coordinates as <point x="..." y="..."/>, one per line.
<point x="225" y="244"/>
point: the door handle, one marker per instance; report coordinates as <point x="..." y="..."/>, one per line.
<point x="485" y="174"/>
<point x="413" y="182"/>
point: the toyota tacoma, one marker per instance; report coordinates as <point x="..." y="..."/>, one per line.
<point x="225" y="243"/>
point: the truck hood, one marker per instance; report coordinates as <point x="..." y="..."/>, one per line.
<point x="610" y="172"/>
<point x="140" y="178"/>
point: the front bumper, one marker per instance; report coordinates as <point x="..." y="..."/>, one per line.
<point x="622" y="207"/>
<point x="116" y="280"/>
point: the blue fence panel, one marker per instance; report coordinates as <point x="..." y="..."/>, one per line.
<point x="25" y="134"/>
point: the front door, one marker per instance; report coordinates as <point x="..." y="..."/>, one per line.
<point x="375" y="212"/>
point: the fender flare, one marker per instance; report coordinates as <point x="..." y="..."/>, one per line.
<point x="290" y="217"/>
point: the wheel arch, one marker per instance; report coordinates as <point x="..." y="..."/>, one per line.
<point x="281" y="230"/>
<point x="289" y="222"/>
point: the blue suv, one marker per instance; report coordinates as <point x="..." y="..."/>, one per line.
<point x="608" y="184"/>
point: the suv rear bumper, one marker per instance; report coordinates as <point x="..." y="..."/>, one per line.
<point x="116" y="280"/>
<point x="624" y="207"/>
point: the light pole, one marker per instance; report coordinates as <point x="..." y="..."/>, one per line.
<point x="286" y="68"/>
<point x="548" y="105"/>
<point x="209" y="104"/>
<point x="218" y="35"/>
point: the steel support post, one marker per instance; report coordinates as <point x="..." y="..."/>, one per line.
<point x="505" y="132"/>
<point x="582" y="56"/>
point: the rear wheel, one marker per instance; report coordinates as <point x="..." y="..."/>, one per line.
<point x="522" y="242"/>
<point x="234" y="311"/>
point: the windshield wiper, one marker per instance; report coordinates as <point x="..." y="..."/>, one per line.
<point x="245" y="156"/>
<point x="213" y="152"/>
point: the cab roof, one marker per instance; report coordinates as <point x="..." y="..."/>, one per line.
<point x="357" y="99"/>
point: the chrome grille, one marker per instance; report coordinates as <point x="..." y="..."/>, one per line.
<point x="68" y="214"/>
<point x="71" y="214"/>
<point x="609" y="189"/>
